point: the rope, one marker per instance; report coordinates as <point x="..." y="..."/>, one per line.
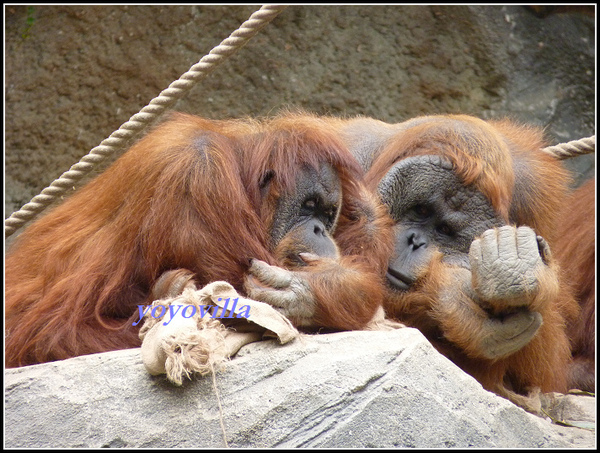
<point x="216" y="389"/>
<point x="140" y="121"/>
<point x="573" y="148"/>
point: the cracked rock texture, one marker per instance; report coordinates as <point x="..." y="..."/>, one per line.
<point x="351" y="389"/>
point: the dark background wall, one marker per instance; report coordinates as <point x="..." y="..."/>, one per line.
<point x="74" y="74"/>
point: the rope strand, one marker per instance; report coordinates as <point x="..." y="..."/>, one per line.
<point x="140" y="121"/>
<point x="573" y="148"/>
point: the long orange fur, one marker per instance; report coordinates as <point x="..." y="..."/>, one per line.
<point x="185" y="196"/>
<point x="576" y="252"/>
<point x="526" y="187"/>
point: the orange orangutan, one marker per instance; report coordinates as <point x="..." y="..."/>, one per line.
<point x="475" y="206"/>
<point x="274" y="207"/>
<point x="576" y="252"/>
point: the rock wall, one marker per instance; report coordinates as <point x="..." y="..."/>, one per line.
<point x="74" y="74"/>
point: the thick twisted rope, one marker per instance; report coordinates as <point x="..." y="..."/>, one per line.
<point x="140" y="121"/>
<point x="573" y="148"/>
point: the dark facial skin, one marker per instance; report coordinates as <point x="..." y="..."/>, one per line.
<point x="305" y="219"/>
<point x="433" y="211"/>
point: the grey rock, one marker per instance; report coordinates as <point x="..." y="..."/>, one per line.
<point x="69" y="83"/>
<point x="351" y="389"/>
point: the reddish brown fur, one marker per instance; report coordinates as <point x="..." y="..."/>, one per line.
<point x="185" y="196"/>
<point x="576" y="252"/>
<point x="526" y="187"/>
<point x="459" y="138"/>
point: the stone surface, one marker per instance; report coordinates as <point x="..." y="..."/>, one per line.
<point x="352" y="389"/>
<point x="70" y="83"/>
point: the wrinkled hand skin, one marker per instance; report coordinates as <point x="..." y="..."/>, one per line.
<point x="479" y="333"/>
<point x="287" y="291"/>
<point x="505" y="265"/>
<point x="493" y="298"/>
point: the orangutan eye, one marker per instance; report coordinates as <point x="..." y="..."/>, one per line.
<point x="445" y="229"/>
<point x="310" y="204"/>
<point x="331" y="213"/>
<point x="422" y="211"/>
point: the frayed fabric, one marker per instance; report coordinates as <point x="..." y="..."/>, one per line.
<point x="199" y="344"/>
